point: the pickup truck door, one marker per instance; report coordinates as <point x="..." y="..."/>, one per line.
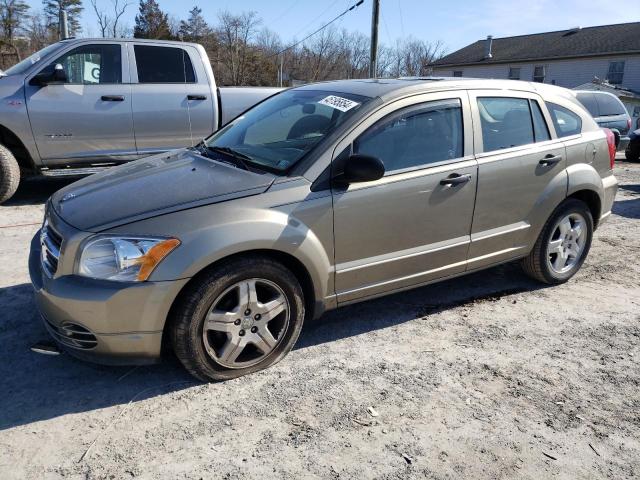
<point x="172" y="104"/>
<point x="87" y="118"/>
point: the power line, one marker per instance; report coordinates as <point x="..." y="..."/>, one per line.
<point x="314" y="20"/>
<point x="352" y="7"/>
<point x="401" y="19"/>
<point x="285" y="12"/>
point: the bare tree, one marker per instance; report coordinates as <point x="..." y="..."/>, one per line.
<point x="235" y="33"/>
<point x="107" y="23"/>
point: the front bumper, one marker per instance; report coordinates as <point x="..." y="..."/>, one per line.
<point x="102" y="321"/>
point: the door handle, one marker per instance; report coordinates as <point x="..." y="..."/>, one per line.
<point x="455" y="179"/>
<point x="196" y="97"/>
<point x="550" y="160"/>
<point x="112" y="98"/>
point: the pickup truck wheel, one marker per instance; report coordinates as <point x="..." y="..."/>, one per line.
<point x="9" y="174"/>
<point x="238" y="318"/>
<point x="562" y="245"/>
<point x="632" y="153"/>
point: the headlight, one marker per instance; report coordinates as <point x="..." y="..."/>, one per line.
<point x="124" y="259"/>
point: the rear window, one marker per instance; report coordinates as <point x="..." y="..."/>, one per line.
<point x="566" y="122"/>
<point x="163" y="65"/>
<point x="589" y="102"/>
<point x="609" y="105"/>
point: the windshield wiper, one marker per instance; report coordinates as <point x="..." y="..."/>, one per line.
<point x="240" y="158"/>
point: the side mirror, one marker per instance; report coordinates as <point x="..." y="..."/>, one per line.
<point x="362" y="168"/>
<point x="59" y="75"/>
<point x="45" y="77"/>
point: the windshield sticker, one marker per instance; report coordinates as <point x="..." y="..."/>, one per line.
<point x="339" y="103"/>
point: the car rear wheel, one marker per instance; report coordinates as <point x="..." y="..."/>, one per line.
<point x="562" y="245"/>
<point x="9" y="174"/>
<point x="239" y="318"/>
<point x="632" y="153"/>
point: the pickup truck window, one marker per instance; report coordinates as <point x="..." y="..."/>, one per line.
<point x="91" y="65"/>
<point x="278" y="132"/>
<point x="163" y="65"/>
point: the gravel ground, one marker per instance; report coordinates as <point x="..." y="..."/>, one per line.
<point x="487" y="376"/>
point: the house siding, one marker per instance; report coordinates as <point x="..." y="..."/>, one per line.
<point x="565" y="73"/>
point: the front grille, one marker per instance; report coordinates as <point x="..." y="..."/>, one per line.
<point x="50" y="242"/>
<point x="73" y="335"/>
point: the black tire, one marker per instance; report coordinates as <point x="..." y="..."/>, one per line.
<point x="9" y="174"/>
<point x="536" y="265"/>
<point x="188" y="315"/>
<point x="632" y="153"/>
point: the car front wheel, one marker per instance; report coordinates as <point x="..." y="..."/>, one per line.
<point x="241" y="317"/>
<point x="562" y="245"/>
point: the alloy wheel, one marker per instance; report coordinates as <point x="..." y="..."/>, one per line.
<point x="246" y="323"/>
<point x="567" y="242"/>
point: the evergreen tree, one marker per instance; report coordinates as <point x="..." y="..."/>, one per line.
<point x="151" y="22"/>
<point x="195" y="27"/>
<point x="73" y="8"/>
<point x="13" y="15"/>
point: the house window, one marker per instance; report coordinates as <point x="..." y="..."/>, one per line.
<point x="457" y="73"/>
<point x="616" y="71"/>
<point x="538" y="73"/>
<point x="514" y="73"/>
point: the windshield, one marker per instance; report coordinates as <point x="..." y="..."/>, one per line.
<point x="24" y="65"/>
<point x="278" y="132"/>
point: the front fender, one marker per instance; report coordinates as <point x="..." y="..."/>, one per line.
<point x="14" y="116"/>
<point x="212" y="233"/>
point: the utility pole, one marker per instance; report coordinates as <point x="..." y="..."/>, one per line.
<point x="375" y="14"/>
<point x="63" y="24"/>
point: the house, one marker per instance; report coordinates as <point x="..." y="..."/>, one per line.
<point x="567" y="58"/>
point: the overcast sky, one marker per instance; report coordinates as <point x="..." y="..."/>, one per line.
<point x="456" y="23"/>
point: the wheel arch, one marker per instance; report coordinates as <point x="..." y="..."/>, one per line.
<point x="12" y="142"/>
<point x="314" y="306"/>
<point x="593" y="201"/>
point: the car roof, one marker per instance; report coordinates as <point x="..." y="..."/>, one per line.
<point x="127" y="40"/>
<point x="389" y="88"/>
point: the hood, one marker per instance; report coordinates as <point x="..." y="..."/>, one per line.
<point x="153" y="186"/>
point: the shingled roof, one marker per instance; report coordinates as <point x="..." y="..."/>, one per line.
<point x="617" y="39"/>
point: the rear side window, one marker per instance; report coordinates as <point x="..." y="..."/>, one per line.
<point x="163" y="65"/>
<point x="609" y="105"/>
<point x="415" y="136"/>
<point x="505" y="122"/>
<point x="566" y="122"/>
<point x="589" y="102"/>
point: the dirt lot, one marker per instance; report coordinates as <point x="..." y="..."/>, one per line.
<point x="487" y="376"/>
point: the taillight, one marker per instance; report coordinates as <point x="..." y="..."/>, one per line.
<point x="628" y="124"/>
<point x="611" y="143"/>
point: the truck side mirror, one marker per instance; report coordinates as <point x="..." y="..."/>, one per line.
<point x="59" y="75"/>
<point x="47" y="76"/>
<point x="362" y="168"/>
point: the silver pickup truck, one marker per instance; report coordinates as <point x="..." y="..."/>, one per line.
<point x="81" y="105"/>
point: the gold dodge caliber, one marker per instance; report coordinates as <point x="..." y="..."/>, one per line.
<point x="318" y="197"/>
